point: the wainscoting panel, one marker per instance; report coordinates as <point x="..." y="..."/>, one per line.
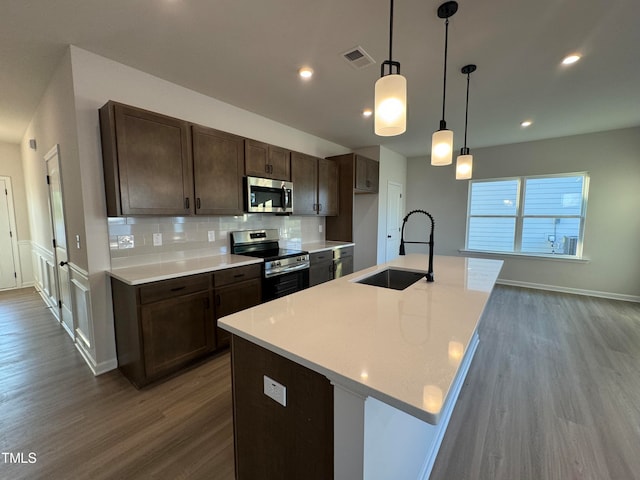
<point x="25" y="270"/>
<point x="45" y="281"/>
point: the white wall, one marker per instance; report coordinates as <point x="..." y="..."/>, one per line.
<point x="11" y="166"/>
<point x="612" y="226"/>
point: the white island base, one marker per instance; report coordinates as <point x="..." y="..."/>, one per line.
<point x="375" y="441"/>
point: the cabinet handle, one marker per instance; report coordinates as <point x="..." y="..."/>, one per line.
<point x="198" y="203"/>
<point x="186" y="203"/>
<point x="177" y="289"/>
<point x="368" y="183"/>
<point x="206" y="303"/>
<point x="319" y="207"/>
<point x="315" y="207"/>
<point x="217" y="300"/>
<point x="238" y="275"/>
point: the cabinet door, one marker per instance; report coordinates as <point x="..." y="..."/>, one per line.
<point x="266" y="161"/>
<point x="304" y="175"/>
<point x="321" y="267"/>
<point x="280" y="163"/>
<point x="176" y="331"/>
<point x="154" y="163"/>
<point x="233" y="298"/>
<point x="256" y="156"/>
<point x="218" y="164"/>
<point x="327" y="187"/>
<point x="366" y="177"/>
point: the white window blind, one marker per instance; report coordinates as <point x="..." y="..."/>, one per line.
<point x="542" y="215"/>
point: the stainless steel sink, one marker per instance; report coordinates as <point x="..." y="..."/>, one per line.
<point x="392" y="278"/>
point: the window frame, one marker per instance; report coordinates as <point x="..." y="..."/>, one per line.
<point x="520" y="216"/>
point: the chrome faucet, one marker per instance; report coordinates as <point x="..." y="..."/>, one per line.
<point x="430" y="242"/>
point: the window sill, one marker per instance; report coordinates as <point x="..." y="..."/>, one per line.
<point x="537" y="256"/>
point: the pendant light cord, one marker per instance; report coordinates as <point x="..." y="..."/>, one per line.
<point x="466" y="112"/>
<point x="444" y="86"/>
<point x="391" y="31"/>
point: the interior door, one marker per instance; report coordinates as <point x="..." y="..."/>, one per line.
<point x="7" y="261"/>
<point x="394" y="218"/>
<point x="56" y="205"/>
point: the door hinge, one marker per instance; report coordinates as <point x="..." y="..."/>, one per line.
<point x="5" y="192"/>
<point x="59" y="303"/>
<point x="10" y="233"/>
<point x="48" y="180"/>
<point x="54" y="242"/>
<point x="15" y="274"/>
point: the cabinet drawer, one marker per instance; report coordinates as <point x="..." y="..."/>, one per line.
<point x="343" y="252"/>
<point x="237" y="274"/>
<point x="173" y="288"/>
<point x="320" y="256"/>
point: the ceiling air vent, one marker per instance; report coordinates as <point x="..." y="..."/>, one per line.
<point x="358" y="58"/>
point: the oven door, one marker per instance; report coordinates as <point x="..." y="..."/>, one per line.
<point x="271" y="196"/>
<point x="284" y="284"/>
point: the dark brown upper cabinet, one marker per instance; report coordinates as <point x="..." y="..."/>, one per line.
<point x="147" y="162"/>
<point x="366" y="175"/>
<point x="218" y="165"/>
<point x="315" y="185"/>
<point x="266" y="161"/>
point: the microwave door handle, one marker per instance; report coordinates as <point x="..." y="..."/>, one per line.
<point x="284" y="198"/>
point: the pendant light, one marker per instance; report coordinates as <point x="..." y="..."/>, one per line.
<point x="442" y="140"/>
<point x="390" y="95"/>
<point x="464" y="162"/>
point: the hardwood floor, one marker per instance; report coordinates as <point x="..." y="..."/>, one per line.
<point x="85" y="427"/>
<point x="553" y="394"/>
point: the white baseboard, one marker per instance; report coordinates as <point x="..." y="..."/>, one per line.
<point x="96" y="368"/>
<point x="575" y="291"/>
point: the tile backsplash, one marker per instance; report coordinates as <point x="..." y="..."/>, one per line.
<point x="131" y="239"/>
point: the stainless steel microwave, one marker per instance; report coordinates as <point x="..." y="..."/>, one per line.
<point x="266" y="195"/>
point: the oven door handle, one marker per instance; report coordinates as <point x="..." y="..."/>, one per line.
<point x="294" y="268"/>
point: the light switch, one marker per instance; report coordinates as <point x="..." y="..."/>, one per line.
<point x="211" y="234"/>
<point x="157" y="239"/>
<point x="275" y="390"/>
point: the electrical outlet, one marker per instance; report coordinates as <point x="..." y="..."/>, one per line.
<point x="125" y="241"/>
<point x="319" y="228"/>
<point x="157" y="239"/>
<point x="275" y="390"/>
<point x="211" y="235"/>
<point x="78" y="242"/>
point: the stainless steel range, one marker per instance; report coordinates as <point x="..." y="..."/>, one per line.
<point x="284" y="272"/>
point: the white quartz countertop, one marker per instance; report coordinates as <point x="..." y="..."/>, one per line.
<point x="313" y="247"/>
<point x="401" y="347"/>
<point x="179" y="268"/>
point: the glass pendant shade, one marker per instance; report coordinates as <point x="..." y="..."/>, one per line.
<point x="390" y="105"/>
<point x="442" y="148"/>
<point x="464" y="167"/>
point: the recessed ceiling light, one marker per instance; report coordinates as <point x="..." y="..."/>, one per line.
<point x="367" y="112"/>
<point x="526" y="123"/>
<point x="305" y="72"/>
<point x="571" y="59"/>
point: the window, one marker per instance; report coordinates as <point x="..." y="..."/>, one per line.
<point x="542" y="215"/>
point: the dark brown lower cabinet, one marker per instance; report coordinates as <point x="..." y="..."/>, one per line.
<point x="235" y="289"/>
<point x="162" y="326"/>
<point x="275" y="442"/>
<point x="321" y="267"/>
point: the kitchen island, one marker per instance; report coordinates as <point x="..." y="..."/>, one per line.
<point x="394" y="362"/>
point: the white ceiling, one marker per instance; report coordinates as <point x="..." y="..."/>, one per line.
<point x="247" y="52"/>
